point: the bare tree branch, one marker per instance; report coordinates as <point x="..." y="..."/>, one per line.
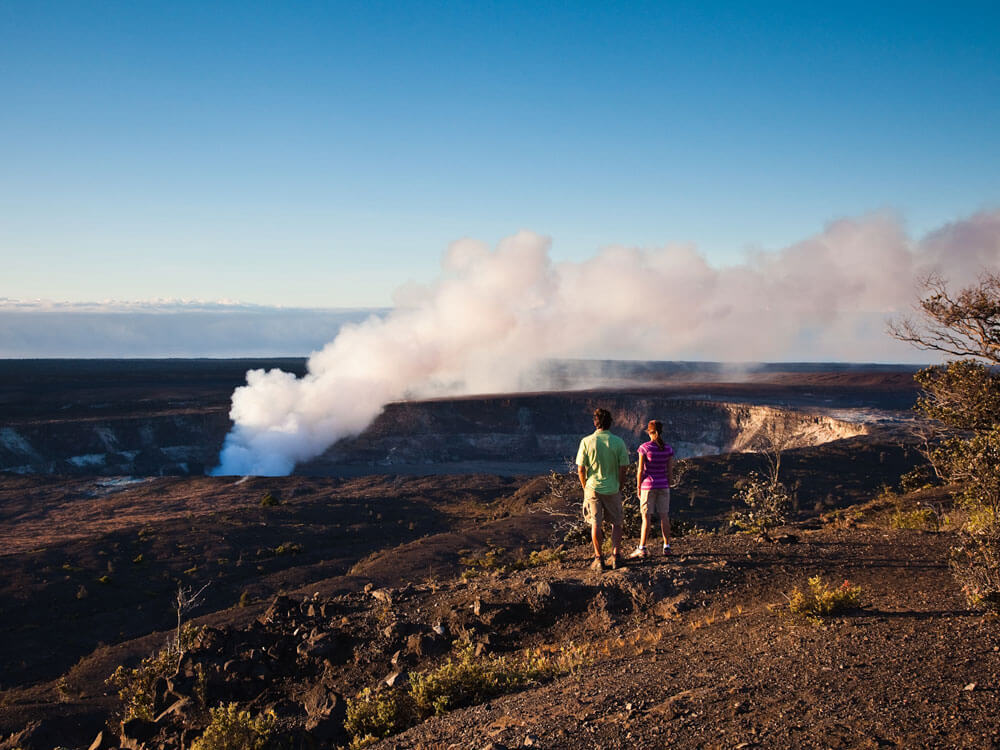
<point x="964" y="325"/>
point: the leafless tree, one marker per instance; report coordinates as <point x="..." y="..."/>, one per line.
<point x="966" y="324"/>
<point x="184" y="602"/>
<point x="771" y="443"/>
<point x="927" y="438"/>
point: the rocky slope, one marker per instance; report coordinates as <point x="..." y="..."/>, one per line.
<point x="335" y="586"/>
<point x="697" y="650"/>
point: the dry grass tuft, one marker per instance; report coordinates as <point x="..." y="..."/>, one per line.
<point x="820" y="600"/>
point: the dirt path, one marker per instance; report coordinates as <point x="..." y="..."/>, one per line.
<point x="912" y="669"/>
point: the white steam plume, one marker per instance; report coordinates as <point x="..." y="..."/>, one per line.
<point x="494" y="315"/>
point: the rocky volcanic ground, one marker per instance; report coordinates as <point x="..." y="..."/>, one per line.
<point x="697" y="650"/>
<point x="319" y="588"/>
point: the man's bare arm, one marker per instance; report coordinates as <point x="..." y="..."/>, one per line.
<point x="581" y="472"/>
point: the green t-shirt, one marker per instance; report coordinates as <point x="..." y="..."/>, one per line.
<point x="602" y="453"/>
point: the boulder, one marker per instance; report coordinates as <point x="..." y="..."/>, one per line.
<point x="395" y="678"/>
<point x="179" y="709"/>
<point x="502" y="614"/>
<point x="282" y="609"/>
<point x="137" y="732"/>
<point x="160" y="692"/>
<point x="325" y="714"/>
<point x="425" y="644"/>
<point x="103" y="741"/>
<point x="393" y="631"/>
<point x="333" y="647"/>
<point x="555" y="598"/>
<point x="21" y="739"/>
<point x="236" y="668"/>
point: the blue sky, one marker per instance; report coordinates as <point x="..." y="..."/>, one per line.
<point x="323" y="154"/>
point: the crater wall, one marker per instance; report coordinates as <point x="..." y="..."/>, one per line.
<point x="145" y="445"/>
<point x="545" y="430"/>
<point x="498" y="434"/>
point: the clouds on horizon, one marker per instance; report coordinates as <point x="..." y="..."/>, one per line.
<point x="825" y="298"/>
<point x="165" y="328"/>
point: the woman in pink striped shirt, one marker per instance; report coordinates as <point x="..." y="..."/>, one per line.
<point x="652" y="479"/>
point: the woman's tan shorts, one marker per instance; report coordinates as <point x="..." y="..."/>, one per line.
<point x="657" y="499"/>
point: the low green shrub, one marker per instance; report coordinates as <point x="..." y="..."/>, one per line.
<point x="843" y="518"/>
<point x="820" y="600"/>
<point x="767" y="504"/>
<point x="681" y="528"/>
<point x="229" y="728"/>
<point x="918" y="478"/>
<point x="496" y="559"/>
<point x="539" y="558"/>
<point x="373" y="716"/>
<point x="135" y="685"/>
<point x="975" y="562"/>
<point x="488" y="561"/>
<point x="920" y="519"/>
<point x="465" y="679"/>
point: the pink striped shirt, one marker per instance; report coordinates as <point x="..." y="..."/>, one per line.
<point x="654" y="476"/>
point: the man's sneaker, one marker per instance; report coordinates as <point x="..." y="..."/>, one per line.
<point x="667" y="552"/>
<point x="597" y="564"/>
<point x="640" y="552"/>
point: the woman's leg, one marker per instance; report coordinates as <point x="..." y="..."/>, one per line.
<point x="665" y="528"/>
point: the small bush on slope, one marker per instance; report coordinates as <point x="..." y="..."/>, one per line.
<point x="767" y="503"/>
<point x="135" y="686"/>
<point x="820" y="600"/>
<point x="233" y="729"/>
<point x="463" y="680"/>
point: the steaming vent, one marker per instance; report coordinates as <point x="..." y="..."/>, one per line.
<point x="493" y="317"/>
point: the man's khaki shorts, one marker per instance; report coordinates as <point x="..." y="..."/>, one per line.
<point x="597" y="506"/>
<point x="656" y="499"/>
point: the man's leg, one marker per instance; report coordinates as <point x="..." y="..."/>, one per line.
<point x="616" y="538"/>
<point x="597" y="536"/>
<point x="614" y="513"/>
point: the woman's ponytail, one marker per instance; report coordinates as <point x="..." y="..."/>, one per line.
<point x="657" y="425"/>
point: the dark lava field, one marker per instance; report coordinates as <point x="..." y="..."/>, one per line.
<point x="370" y="569"/>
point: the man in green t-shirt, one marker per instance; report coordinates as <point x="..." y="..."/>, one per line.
<point x="601" y="461"/>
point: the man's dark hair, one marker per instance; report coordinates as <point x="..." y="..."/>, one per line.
<point x="602" y="419"/>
